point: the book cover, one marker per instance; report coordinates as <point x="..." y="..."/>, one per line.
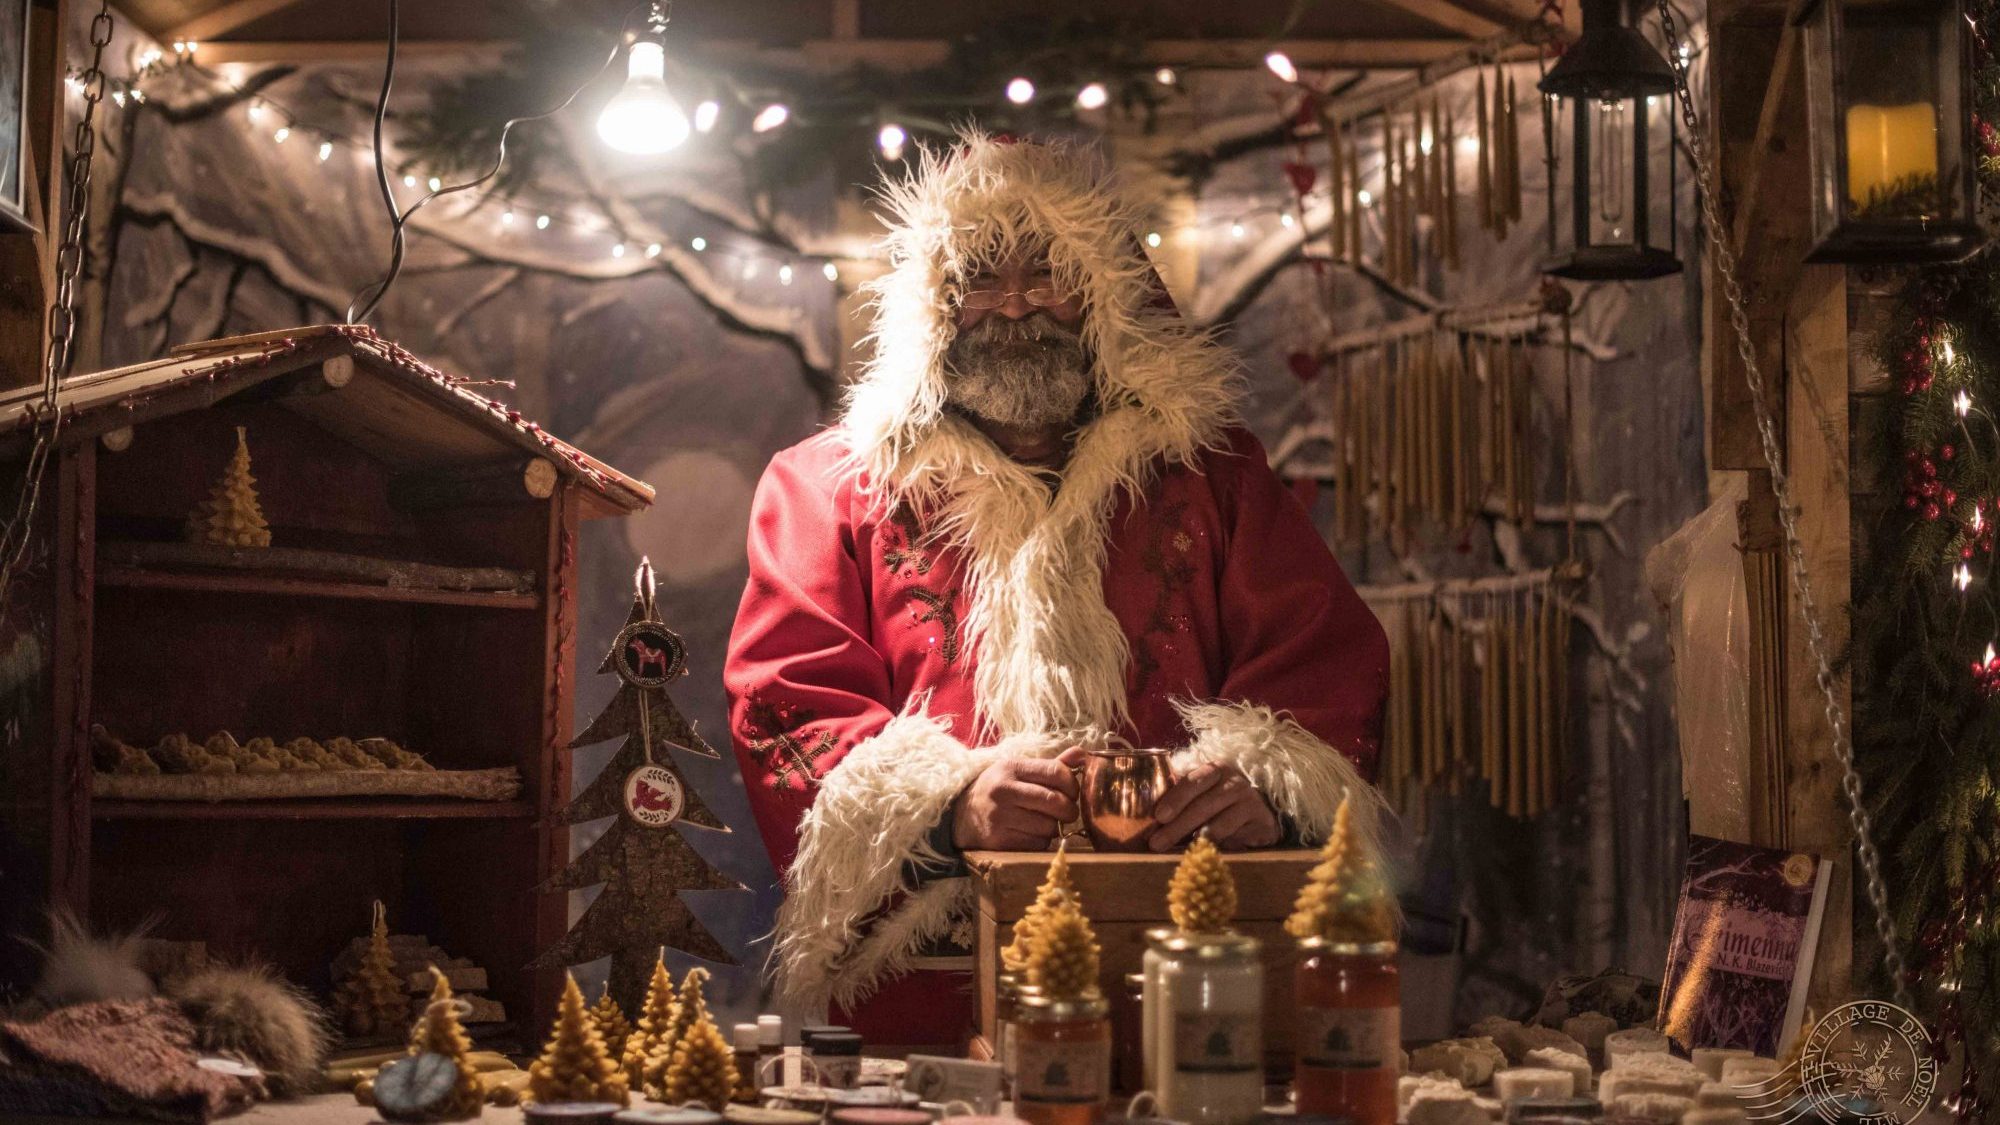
<point x="1743" y="944"/>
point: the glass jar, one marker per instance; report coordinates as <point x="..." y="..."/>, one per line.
<point x="837" y="1054"/>
<point x="1349" y="1029"/>
<point x="1211" y="1045"/>
<point x="744" y="1038"/>
<point x="1128" y="1010"/>
<point x="1151" y="1011"/>
<point x="1062" y="1061"/>
<point x="1006" y="999"/>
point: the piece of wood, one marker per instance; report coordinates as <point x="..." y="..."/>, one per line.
<point x="503" y="784"/>
<point x="337" y="370"/>
<point x="141" y="579"/>
<point x="118" y="440"/>
<point x="335" y="808"/>
<point x="513" y="481"/>
<point x="179" y="559"/>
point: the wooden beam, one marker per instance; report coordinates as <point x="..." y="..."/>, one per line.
<point x="224" y="19"/>
<point x="1447" y="15"/>
<point x="847" y="19"/>
<point x="348" y="50"/>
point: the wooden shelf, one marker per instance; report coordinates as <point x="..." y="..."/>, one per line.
<point x="131" y="577"/>
<point x="334" y="808"/>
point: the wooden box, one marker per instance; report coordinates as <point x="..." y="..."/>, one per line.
<point x="1125" y="895"/>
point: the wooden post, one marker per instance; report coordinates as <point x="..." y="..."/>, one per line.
<point x="27" y="260"/>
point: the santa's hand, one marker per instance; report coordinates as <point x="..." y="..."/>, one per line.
<point x="1015" y="805"/>
<point x="1219" y="797"/>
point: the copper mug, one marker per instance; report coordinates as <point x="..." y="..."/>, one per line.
<point x="1119" y="787"/>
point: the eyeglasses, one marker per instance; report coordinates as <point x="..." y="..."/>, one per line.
<point x="993" y="298"/>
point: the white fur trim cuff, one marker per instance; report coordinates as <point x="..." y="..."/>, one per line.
<point x="1303" y="777"/>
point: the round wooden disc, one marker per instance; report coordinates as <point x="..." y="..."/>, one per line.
<point x="648" y="654"/>
<point x="412" y="1086"/>
<point x="654" y="796"/>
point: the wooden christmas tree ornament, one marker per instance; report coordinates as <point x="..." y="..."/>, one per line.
<point x="611" y="1023"/>
<point x="654" y="1017"/>
<point x="1345" y="899"/>
<point x="1201" y="897"/>
<point x="574" y="1066"/>
<point x="371" y="1003"/>
<point x="231" y="517"/>
<point x="1056" y="889"/>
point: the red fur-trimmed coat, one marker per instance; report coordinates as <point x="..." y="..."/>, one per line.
<point x="1226" y="595"/>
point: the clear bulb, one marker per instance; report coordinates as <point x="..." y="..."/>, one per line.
<point x="643" y="118"/>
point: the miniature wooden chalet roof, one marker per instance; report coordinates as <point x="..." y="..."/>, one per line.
<point x="382" y="399"/>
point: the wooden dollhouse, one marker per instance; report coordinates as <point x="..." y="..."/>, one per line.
<point x="420" y="586"/>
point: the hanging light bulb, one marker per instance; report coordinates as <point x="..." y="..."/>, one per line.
<point x="1285" y="220"/>
<point x="1280" y="64"/>
<point x="1363" y="197"/>
<point x="830" y="271"/>
<point x="785" y="275"/>
<point x="891" y="139"/>
<point x="770" y="117"/>
<point x="652" y="249"/>
<point x="409" y="181"/>
<point x="325" y="150"/>
<point x="1165" y="76"/>
<point x="434" y="183"/>
<point x="1236" y="230"/>
<point x="255" y="110"/>
<point x="643" y="118"/>
<point x="698" y="243"/>
<point x="1092" y="96"/>
<point x="618" y="250"/>
<point x="1020" y="91"/>
<point x="1153" y="238"/>
<point x="283" y="133"/>
<point x="541" y="222"/>
<point x="706" y="114"/>
<point x="507" y="217"/>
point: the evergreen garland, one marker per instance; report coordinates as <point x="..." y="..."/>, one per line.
<point x="1926" y="609"/>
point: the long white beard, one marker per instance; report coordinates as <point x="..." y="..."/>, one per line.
<point x="1031" y="372"/>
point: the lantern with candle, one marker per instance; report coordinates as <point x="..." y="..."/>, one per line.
<point x="1618" y="89"/>
<point x="1891" y="116"/>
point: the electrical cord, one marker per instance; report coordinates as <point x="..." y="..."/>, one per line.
<point x="398" y="218"/>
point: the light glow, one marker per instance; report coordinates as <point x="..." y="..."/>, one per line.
<point x="1153" y="238"/>
<point x="1092" y="96"/>
<point x="770" y="117"/>
<point x="325" y="150"/>
<point x="890" y="139"/>
<point x="830" y="271"/>
<point x="434" y="183"/>
<point x="1236" y="230"/>
<point x="1962" y="402"/>
<point x="541" y="222"/>
<point x="1165" y="76"/>
<point x="643" y="118"/>
<point x="1020" y="91"/>
<point x="507" y="218"/>
<point x="1285" y="220"/>
<point x="706" y="115"/>
<point x="1280" y="64"/>
<point x="1962" y="578"/>
<point x="784" y="275"/>
<point x="283" y="134"/>
<point x="652" y="249"/>
<point x="698" y="243"/>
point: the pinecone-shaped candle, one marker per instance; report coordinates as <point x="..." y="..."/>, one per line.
<point x="1345" y="899"/>
<point x="611" y="1023"/>
<point x="1063" y="961"/>
<point x="703" y="1068"/>
<point x="231" y="517"/>
<point x="1201" y="898"/>
<point x="654" y="1016"/>
<point x="574" y="1067"/>
<point x="1056" y="888"/>
<point x="371" y="1002"/>
<point x="690" y="1008"/>
<point x="439" y="1033"/>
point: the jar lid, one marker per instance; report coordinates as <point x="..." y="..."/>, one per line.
<point x="880" y="1115"/>
<point x="1159" y="935"/>
<point x="1044" y="1009"/>
<point x="770" y="1030"/>
<point x="1221" y="945"/>
<point x="767" y="1115"/>
<point x="1349" y="947"/>
<point x="811" y="1032"/>
<point x="668" y="1115"/>
<point x="836" y="1043"/>
<point x="873" y="1096"/>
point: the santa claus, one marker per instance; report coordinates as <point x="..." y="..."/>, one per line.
<point x="1037" y="525"/>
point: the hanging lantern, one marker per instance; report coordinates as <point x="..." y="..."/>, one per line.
<point x="1616" y="87"/>
<point x="1891" y="114"/>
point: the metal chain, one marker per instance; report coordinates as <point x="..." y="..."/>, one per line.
<point x="1723" y="257"/>
<point x="14" y="535"/>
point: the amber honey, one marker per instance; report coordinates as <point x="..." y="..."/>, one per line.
<point x="1062" y="1061"/>
<point x="1349" y="1030"/>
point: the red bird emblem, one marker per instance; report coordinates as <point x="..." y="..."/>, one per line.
<point x="652" y="798"/>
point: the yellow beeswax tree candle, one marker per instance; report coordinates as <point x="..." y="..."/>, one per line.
<point x="703" y="1068"/>
<point x="1345" y="899"/>
<point x="231" y="517"/>
<point x="1201" y="897"/>
<point x="654" y="1016"/>
<point x="690" y="1008"/>
<point x="440" y="1033"/>
<point x="611" y="1023"/>
<point x="1056" y="888"/>
<point x="372" y="1002"/>
<point x="1063" y="959"/>
<point x="574" y="1066"/>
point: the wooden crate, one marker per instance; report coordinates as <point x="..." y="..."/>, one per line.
<point x="1125" y="895"/>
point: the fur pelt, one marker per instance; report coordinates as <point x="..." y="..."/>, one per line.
<point x="79" y="967"/>
<point x="252" y="1013"/>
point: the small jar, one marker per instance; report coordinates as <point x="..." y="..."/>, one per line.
<point x="1150" y="964"/>
<point x="1349" y="1030"/>
<point x="770" y="1045"/>
<point x="1063" y="1061"/>
<point x="744" y="1038"/>
<point x="1006" y="1000"/>
<point x="837" y="1054"/>
<point x="1211" y="1048"/>
<point x="1128" y="1010"/>
<point x="798" y="1072"/>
